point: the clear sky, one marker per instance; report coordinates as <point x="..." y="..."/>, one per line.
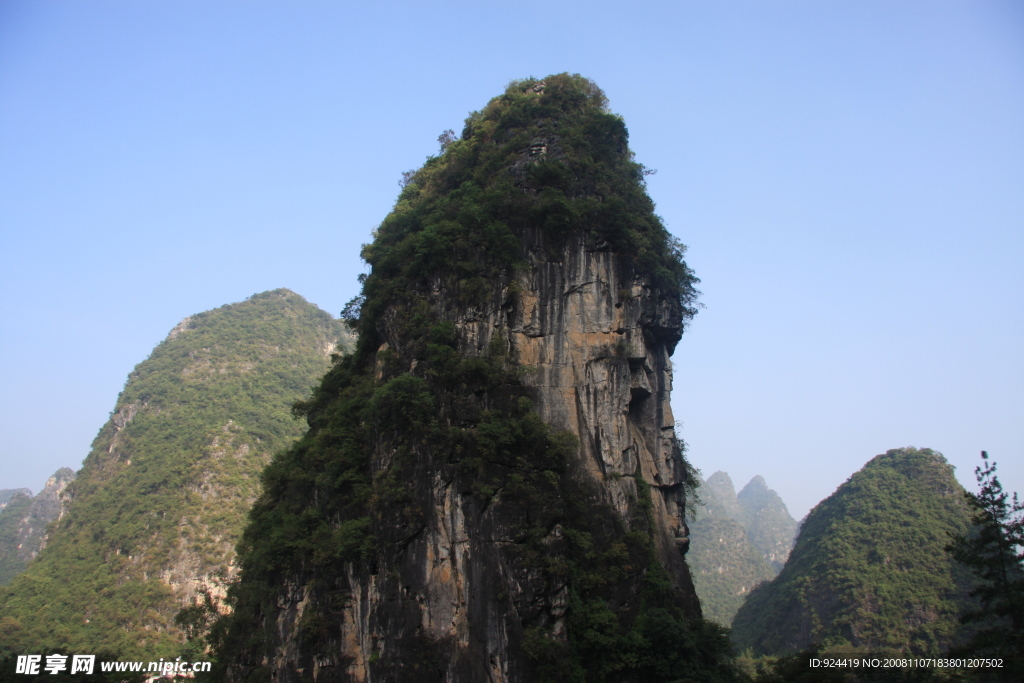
<point x="849" y="177"/>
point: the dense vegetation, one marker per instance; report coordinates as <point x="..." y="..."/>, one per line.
<point x="870" y="567"/>
<point x="544" y="160"/>
<point x="163" y="494"/>
<point x="725" y="566"/>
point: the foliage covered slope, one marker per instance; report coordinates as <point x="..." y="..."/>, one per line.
<point x="870" y="567"/>
<point x="161" y="499"/>
<point x="544" y="161"/>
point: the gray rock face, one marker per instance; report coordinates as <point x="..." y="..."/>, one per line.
<point x="601" y="348"/>
<point x="594" y="351"/>
<point x="23" y="523"/>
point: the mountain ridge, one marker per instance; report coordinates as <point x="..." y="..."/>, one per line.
<point x="155" y="511"/>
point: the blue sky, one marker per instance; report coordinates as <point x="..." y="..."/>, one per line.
<point x="849" y="177"/>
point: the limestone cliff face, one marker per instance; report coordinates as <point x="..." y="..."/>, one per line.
<point x="594" y="349"/>
<point x="46" y="507"/>
<point x="598" y="346"/>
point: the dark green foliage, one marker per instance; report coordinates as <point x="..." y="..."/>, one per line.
<point x="649" y="639"/>
<point x="994" y="552"/>
<point x="546" y="156"/>
<point x="869" y="569"/>
<point x="167" y="484"/>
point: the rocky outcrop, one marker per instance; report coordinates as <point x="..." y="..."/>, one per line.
<point x="505" y="480"/>
<point x="596" y="346"/>
<point x="23" y="525"/>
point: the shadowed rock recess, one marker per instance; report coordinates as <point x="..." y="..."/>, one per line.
<point x="491" y="488"/>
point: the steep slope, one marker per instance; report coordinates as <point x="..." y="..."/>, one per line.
<point x="869" y="569"/>
<point x="161" y="499"/>
<point x="769" y="525"/>
<point x="491" y="487"/>
<point x="725" y="564"/>
<point x="23" y="524"/>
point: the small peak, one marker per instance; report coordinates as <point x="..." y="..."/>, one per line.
<point x="757" y="483"/>
<point x="721" y="478"/>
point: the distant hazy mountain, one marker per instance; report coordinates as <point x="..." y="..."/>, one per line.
<point x="768" y="523"/>
<point x="23" y="522"/>
<point x="7" y="494"/>
<point x="869" y="569"/>
<point x="736" y="542"/>
<point x="161" y="499"/>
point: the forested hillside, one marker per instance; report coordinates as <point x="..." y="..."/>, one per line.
<point x="870" y="568"/>
<point x="160" y="500"/>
